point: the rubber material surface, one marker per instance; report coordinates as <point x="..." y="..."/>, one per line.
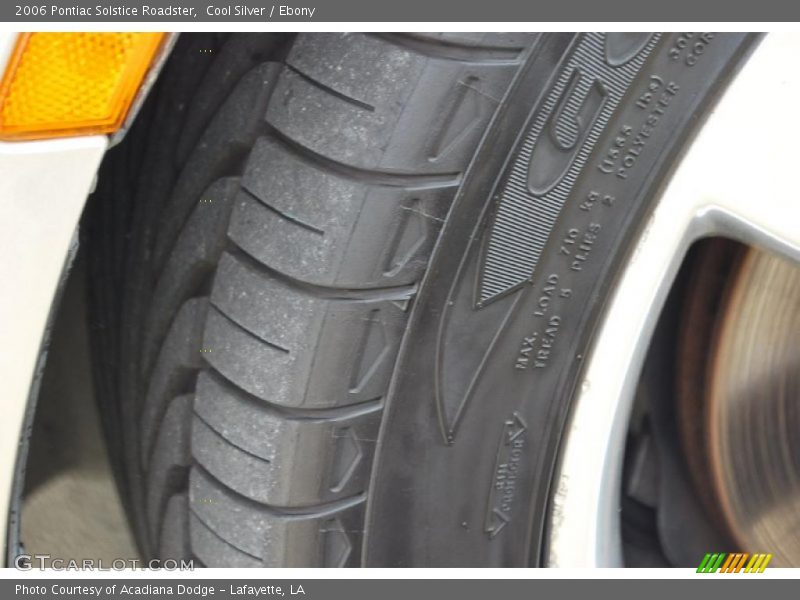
<point x="260" y="240"/>
<point x="249" y="303"/>
<point x="505" y="316"/>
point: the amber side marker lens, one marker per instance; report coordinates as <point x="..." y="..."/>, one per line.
<point x="67" y="84"/>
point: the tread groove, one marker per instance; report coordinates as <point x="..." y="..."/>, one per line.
<point x="297" y="188"/>
<point x="455" y="51"/>
<point x="246" y="331"/>
<point x="408" y="181"/>
<point x="329" y="90"/>
<point x="338" y="413"/>
<point x="219" y="536"/>
<point x="285" y="513"/>
<point x="281" y="214"/>
<point x="398" y="293"/>
<point x="228" y="441"/>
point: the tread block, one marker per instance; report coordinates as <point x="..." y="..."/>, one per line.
<point x="220" y="152"/>
<point x="337" y="545"/>
<point x="464" y="47"/>
<point x="211" y="549"/>
<point x="174" y="540"/>
<point x="456" y="100"/>
<point x="180" y="358"/>
<point x="237" y="417"/>
<point x="350" y="216"/>
<point x="347" y="217"/>
<point x="411" y="232"/>
<point x="282" y="180"/>
<point x="328" y="124"/>
<point x="292" y="250"/>
<point x="191" y="262"/>
<point x="339" y="539"/>
<point x="402" y="232"/>
<point x="250" y="475"/>
<point x="372" y="353"/>
<point x="347" y="456"/>
<point x="238" y="55"/>
<point x="460" y="100"/>
<point x="244" y="525"/>
<point x="235" y="352"/>
<point x="431" y="92"/>
<point x="285" y="540"/>
<point x="282" y="218"/>
<point x="359" y="66"/>
<point x="171" y="459"/>
<point x="257" y="451"/>
<point x="303" y="325"/>
<point x="462" y="120"/>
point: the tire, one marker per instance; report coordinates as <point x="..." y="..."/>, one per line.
<point x="342" y="283"/>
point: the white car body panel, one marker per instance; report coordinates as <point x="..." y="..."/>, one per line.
<point x="43" y="188"/>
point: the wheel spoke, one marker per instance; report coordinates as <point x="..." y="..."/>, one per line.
<point x="738" y="181"/>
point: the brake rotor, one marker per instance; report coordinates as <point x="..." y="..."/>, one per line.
<point x="740" y="407"/>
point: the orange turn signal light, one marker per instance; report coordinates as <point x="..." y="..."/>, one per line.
<point x="66" y="84"/>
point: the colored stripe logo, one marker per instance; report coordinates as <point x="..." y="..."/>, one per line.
<point x="739" y="562"/>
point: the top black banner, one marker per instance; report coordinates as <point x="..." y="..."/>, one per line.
<point x="464" y="11"/>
